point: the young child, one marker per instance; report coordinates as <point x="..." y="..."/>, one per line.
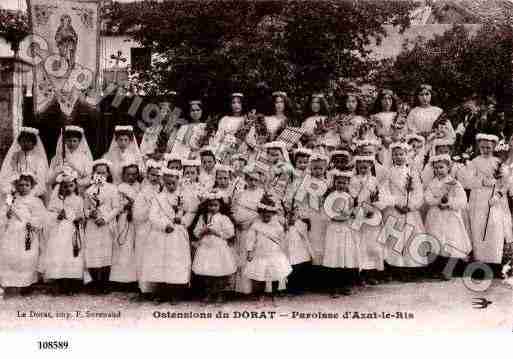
<point x="340" y="160"/>
<point x="22" y="216"/>
<point x="446" y="199"/>
<point x="267" y="264"/>
<point x="75" y="154"/>
<point x="102" y="206"/>
<point x="490" y="218"/>
<point x="244" y="208"/>
<point x="26" y="154"/>
<point x="124" y="258"/>
<point x="123" y="147"/>
<point x="174" y="162"/>
<point x="150" y="188"/>
<point x="309" y="199"/>
<point x="341" y="251"/>
<point x="363" y="187"/>
<point x="214" y="260"/>
<point x="207" y="172"/>
<point x="190" y="191"/>
<point x="405" y="197"/>
<point x="418" y="151"/>
<point x="167" y="254"/>
<point x="64" y="257"/>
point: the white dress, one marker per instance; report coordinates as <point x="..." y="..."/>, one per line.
<point x="372" y="252"/>
<point x="18" y="266"/>
<point x="25" y="162"/>
<point x="446" y="225"/>
<point x="349" y="131"/>
<point x="118" y="159"/>
<point x="309" y="200"/>
<point x="77" y="160"/>
<point x="167" y="256"/>
<point x="214" y="257"/>
<point x="489" y="248"/>
<point x="99" y="240"/>
<point x="245" y="212"/>
<point x="395" y="188"/>
<point x="124" y="257"/>
<point x="141" y="212"/>
<point x="342" y="248"/>
<point x="420" y="120"/>
<point x="59" y="261"/>
<point x="184" y="141"/>
<point x="269" y="262"/>
<point x="274" y="124"/>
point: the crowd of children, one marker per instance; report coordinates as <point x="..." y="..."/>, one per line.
<point x="275" y="216"/>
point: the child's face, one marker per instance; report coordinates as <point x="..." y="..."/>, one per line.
<point x="486" y="147"/>
<point x="208" y="162"/>
<point x="274" y="155"/>
<point x="196" y="112"/>
<point x="26" y="143"/>
<point x="302" y="162"/>
<point x="222" y="179"/>
<point x="252" y="182"/>
<point x="363" y="167"/>
<point x="267" y="216"/>
<point x="123" y="141"/>
<point x="214" y="206"/>
<point x="171" y="182"/>
<point x="279" y="105"/>
<point x="191" y="173"/>
<point x="386" y="103"/>
<point x="239" y="164"/>
<point x="72" y="143"/>
<point x="341" y="183"/>
<point x="174" y="165"/>
<point x="340" y="162"/>
<point x="398" y="156"/>
<point x="424" y="97"/>
<point x="23" y="186"/>
<point x="68" y="188"/>
<point x="351" y="104"/>
<point x="236" y="106"/>
<point x="441" y="169"/>
<point x="102" y="170"/>
<point x="317" y="169"/>
<point x="130" y="174"/>
<point x="153" y="176"/>
<point x="443" y="150"/>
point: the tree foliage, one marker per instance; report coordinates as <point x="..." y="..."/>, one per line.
<point x="457" y="64"/>
<point x="222" y="46"/>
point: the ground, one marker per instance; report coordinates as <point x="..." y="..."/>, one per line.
<point x="425" y="306"/>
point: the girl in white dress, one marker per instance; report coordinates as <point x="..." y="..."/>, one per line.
<point x="26" y="154"/>
<point x="185" y="140"/>
<point x="317" y="121"/>
<point x="383" y="114"/>
<point x="244" y="209"/>
<point x="22" y="217"/>
<point x="150" y="188"/>
<point x="267" y="263"/>
<point x="124" y="257"/>
<point x="102" y="206"/>
<point x="123" y="147"/>
<point x="446" y="199"/>
<point x="167" y="254"/>
<point x="405" y="197"/>
<point x="350" y="119"/>
<point x="281" y="116"/>
<point x="73" y="152"/>
<point x="422" y="117"/>
<point x="229" y="125"/>
<point x="214" y="260"/>
<point x="207" y="170"/>
<point x="342" y="249"/>
<point x="417" y="153"/>
<point x="64" y="257"/>
<point x="490" y="218"/>
<point x="369" y="201"/>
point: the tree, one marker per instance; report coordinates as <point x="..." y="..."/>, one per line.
<point x="221" y="46"/>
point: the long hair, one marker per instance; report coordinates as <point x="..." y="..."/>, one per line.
<point x="60" y="191"/>
<point x="377" y="107"/>
<point x="324" y="110"/>
<point x="109" y="175"/>
<point x="343" y="106"/>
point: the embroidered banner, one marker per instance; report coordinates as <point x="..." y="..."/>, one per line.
<point x="66" y="52"/>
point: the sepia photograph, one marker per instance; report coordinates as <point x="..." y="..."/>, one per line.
<point x="221" y="164"/>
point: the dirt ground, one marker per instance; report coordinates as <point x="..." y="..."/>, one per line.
<point x="419" y="307"/>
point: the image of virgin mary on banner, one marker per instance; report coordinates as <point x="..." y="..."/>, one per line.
<point x="69" y="58"/>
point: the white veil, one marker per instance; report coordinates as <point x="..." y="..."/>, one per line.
<point x="13" y="164"/>
<point x="83" y="147"/>
<point x="133" y="151"/>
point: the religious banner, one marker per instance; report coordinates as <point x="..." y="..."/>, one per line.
<point x="66" y="49"/>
